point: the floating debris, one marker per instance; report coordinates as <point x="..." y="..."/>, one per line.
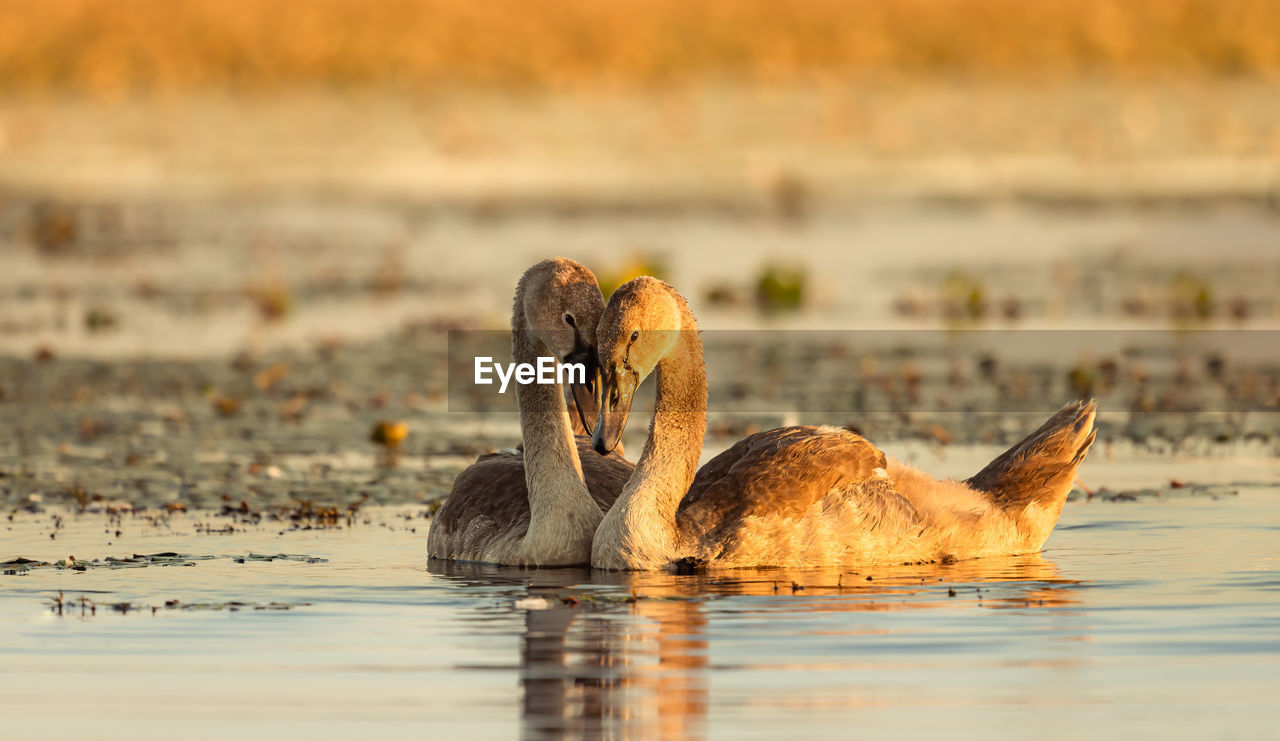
<point x="274" y="301"/>
<point x="59" y="605"/>
<point x="281" y="557"/>
<point x="1175" y="488"/>
<point x="532" y="603"/>
<point x="20" y="566"/>
<point x="226" y="405"/>
<point x="267" y="378"/>
<point x="390" y="434"/>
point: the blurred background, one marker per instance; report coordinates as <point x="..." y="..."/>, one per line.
<point x="233" y="234"/>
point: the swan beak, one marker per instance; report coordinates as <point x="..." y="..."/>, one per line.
<point x="615" y="406"/>
<point x="586" y="395"/>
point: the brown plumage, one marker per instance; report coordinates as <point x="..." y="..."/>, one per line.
<point x="540" y="505"/>
<point x="489" y="501"/>
<point x="1045" y="459"/>
<point x="798" y="496"/>
<point x="777" y="474"/>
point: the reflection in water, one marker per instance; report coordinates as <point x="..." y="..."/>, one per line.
<point x="625" y="654"/>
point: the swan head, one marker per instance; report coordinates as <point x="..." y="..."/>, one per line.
<point x="640" y="326"/>
<point x="562" y="305"/>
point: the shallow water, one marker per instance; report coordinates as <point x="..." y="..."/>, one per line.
<point x="1161" y="613"/>
<point x="1155" y="606"/>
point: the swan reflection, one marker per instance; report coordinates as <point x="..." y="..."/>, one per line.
<point x="625" y="654"/>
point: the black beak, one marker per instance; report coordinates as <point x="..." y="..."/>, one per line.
<point x="586" y="395"/>
<point x="617" y="395"/>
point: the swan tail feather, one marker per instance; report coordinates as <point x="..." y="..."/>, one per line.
<point x="1041" y="469"/>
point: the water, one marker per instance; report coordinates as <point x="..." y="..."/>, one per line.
<point x="1154" y="615"/>
<point x="1159" y="614"/>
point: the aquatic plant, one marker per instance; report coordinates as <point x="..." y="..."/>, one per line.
<point x="780" y="288"/>
<point x="638" y="264"/>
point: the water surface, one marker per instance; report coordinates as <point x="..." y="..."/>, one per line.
<point x="1157" y="614"/>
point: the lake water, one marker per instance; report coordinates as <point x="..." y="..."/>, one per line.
<point x="183" y="358"/>
<point x="1155" y="615"/>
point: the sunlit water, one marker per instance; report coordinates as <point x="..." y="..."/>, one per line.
<point x="1156" y="615"/>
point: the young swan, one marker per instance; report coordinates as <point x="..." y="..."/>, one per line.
<point x="797" y="496"/>
<point x="534" y="508"/>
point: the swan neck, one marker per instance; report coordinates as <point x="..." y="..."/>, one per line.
<point x="670" y="456"/>
<point x="640" y="530"/>
<point x="552" y="470"/>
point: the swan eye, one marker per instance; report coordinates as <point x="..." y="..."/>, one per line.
<point x="635" y="335"/>
<point x="568" y="319"/>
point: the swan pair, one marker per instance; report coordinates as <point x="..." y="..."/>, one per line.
<point x="791" y="497"/>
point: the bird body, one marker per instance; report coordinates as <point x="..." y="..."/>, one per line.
<point x="798" y="496"/>
<point x="538" y="506"/>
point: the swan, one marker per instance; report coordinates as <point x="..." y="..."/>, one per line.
<point x="797" y="496"/>
<point x="539" y="506"/>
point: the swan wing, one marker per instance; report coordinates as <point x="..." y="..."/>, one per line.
<point x="489" y="499"/>
<point x="790" y="496"/>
